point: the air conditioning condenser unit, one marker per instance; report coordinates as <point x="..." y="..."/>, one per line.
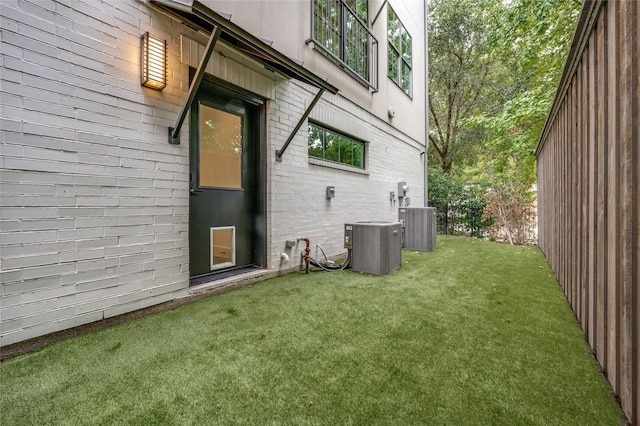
<point x="419" y="226"/>
<point x="376" y="247"/>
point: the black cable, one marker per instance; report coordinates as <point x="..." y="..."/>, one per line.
<point x="323" y="253"/>
<point x="334" y="267"/>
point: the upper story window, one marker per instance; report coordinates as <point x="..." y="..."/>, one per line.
<point x="340" y="32"/>
<point x="332" y="146"/>
<point x="399" y="51"/>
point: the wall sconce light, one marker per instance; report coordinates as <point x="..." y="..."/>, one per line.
<point x="153" y="62"/>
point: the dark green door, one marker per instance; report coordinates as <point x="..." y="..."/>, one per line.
<point x="224" y="231"/>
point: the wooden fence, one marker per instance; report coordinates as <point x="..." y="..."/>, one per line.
<point x="588" y="189"/>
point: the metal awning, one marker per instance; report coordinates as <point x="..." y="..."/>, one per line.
<point x="196" y="14"/>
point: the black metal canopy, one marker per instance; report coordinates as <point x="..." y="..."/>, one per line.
<point x="195" y="14"/>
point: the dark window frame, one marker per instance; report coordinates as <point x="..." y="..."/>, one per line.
<point x="403" y="54"/>
<point x="342" y="141"/>
<point x="340" y="34"/>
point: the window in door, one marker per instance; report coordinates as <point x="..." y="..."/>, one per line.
<point x="220" y="148"/>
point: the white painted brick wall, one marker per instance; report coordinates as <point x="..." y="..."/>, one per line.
<point x="93" y="197"/>
<point x="298" y="205"/>
<point x="94" y="217"/>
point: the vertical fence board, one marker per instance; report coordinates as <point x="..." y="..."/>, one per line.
<point x="565" y="194"/>
<point x="570" y="213"/>
<point x="594" y="48"/>
<point x="625" y="225"/>
<point x="588" y="189"/>
<point x="576" y="224"/>
<point x="601" y="192"/>
<point x="584" y="182"/>
<point x="612" y="199"/>
<point x="635" y="248"/>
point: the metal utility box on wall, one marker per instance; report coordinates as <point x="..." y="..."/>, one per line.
<point x="376" y="247"/>
<point x="419" y="224"/>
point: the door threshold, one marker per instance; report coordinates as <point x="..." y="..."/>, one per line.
<point x="221" y="275"/>
<point x="231" y="279"/>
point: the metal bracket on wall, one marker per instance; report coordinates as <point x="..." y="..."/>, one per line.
<point x="313" y="103"/>
<point x="174" y="132"/>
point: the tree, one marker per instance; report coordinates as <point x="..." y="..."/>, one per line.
<point x="494" y="67"/>
<point x="444" y="192"/>
<point x="459" y="203"/>
<point x="460" y="72"/>
<point x="531" y="43"/>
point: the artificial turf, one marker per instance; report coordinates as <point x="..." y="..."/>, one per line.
<point x="473" y="333"/>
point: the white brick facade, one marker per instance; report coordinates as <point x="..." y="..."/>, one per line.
<point x="299" y="207"/>
<point x="94" y="202"/>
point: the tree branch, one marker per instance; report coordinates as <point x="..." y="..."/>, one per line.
<point x="434" y="143"/>
<point x="432" y="110"/>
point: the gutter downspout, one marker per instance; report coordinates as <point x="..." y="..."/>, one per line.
<point x="426" y="103"/>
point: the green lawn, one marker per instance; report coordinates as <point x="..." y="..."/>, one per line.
<point x="473" y="333"/>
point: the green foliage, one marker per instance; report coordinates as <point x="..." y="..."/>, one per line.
<point x="494" y="67"/>
<point x="534" y="38"/>
<point x="493" y="71"/>
<point x="490" y="341"/>
<point x="531" y="43"/>
<point x="460" y="76"/>
<point x="459" y="203"/>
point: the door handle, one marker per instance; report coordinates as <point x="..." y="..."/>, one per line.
<point x="193" y="191"/>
